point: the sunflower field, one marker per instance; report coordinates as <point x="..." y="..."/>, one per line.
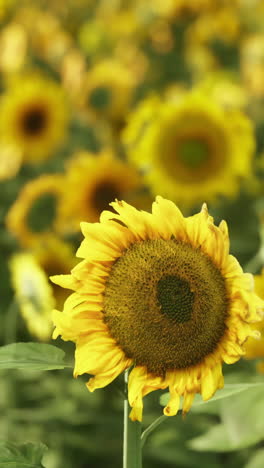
<point x="132" y="233"/>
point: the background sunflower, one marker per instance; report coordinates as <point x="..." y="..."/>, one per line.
<point x="34" y="115"/>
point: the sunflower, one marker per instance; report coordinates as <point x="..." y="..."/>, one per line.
<point x="190" y="149"/>
<point x="222" y="24"/>
<point x="255" y="349"/>
<point x="159" y="292"/>
<point x="175" y="8"/>
<point x="33" y="213"/>
<point x="55" y="256"/>
<point x="13" y="47"/>
<point x="252" y="64"/>
<point x="91" y="182"/>
<point x="48" y="39"/>
<point x="223" y="88"/>
<point x="34" y="116"/>
<point x="109" y="90"/>
<point x="33" y="294"/>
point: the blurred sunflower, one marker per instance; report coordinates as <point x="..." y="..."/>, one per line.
<point x="221" y="23"/>
<point x="34" y="116"/>
<point x="13" y="47"/>
<point x="33" y="213"/>
<point x="94" y="38"/>
<point x="175" y="8"/>
<point x="190" y="150"/>
<point x="91" y="182"/>
<point x="109" y="90"/>
<point x="55" y="257"/>
<point x="222" y="87"/>
<point x="160" y="292"/>
<point x="252" y="64"/>
<point x="33" y="294"/>
<point x="255" y="348"/>
<point x="48" y="39"/>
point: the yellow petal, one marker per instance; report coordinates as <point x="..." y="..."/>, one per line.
<point x="106" y="377"/>
<point x="173" y="406"/>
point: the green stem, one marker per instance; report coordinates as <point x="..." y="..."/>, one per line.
<point x="151" y="428"/>
<point x="132" y="456"/>
<point x="10" y="326"/>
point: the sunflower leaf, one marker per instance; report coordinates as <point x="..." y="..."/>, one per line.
<point x="257" y="460"/>
<point x="216" y="439"/>
<point x="242" y="424"/>
<point x="34" y="356"/>
<point x="27" y="455"/>
<point x="227" y="391"/>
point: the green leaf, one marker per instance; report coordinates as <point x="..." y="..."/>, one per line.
<point x="242" y="423"/>
<point x="36" y="356"/>
<point x="215" y="440"/>
<point x="257" y="460"/>
<point x="244" y="416"/>
<point x="227" y="391"/>
<point x="28" y="455"/>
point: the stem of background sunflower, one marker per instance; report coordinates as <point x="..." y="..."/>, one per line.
<point x="132" y="455"/>
<point x="10" y="324"/>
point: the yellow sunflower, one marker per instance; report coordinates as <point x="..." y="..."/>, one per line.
<point x="55" y="256"/>
<point x="175" y="8"/>
<point x="223" y="88"/>
<point x="109" y="90"/>
<point x="221" y="23"/>
<point x="252" y="64"/>
<point x="191" y="149"/>
<point x="13" y="47"/>
<point x="33" y="294"/>
<point x="159" y="292"/>
<point x="33" y="213"/>
<point x="48" y="39"/>
<point x="255" y="348"/>
<point x="91" y="182"/>
<point x="34" y="116"/>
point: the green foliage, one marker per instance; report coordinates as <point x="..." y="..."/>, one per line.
<point x="21" y="456"/>
<point x="257" y="460"/>
<point x="35" y="356"/>
<point x="241" y="422"/>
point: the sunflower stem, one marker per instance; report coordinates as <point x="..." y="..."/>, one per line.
<point x="132" y="455"/>
<point x="10" y="326"/>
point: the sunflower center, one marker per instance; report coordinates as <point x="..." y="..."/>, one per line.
<point x="104" y="193"/>
<point x="42" y="213"/>
<point x="100" y="97"/>
<point x="175" y="297"/>
<point x="34" y="121"/>
<point x="193" y="153"/>
<point x="165" y="304"/>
